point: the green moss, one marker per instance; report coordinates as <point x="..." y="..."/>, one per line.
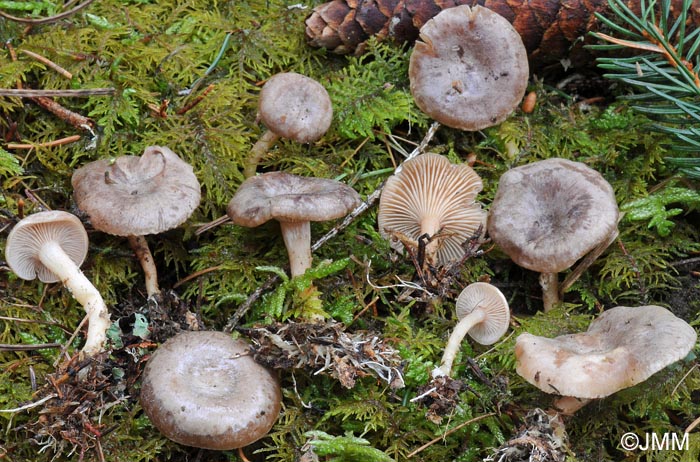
<point x="153" y="52"/>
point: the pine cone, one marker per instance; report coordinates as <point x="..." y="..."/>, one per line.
<point x="552" y="30"/>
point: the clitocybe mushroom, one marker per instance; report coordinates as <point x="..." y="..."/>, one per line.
<point x="134" y="196"/>
<point x="431" y="196"/>
<point x="469" y="70"/>
<point x="51" y="246"/>
<point x="294" y="201"/>
<point x="203" y="389"/>
<point x="548" y="214"/>
<point x="292" y="106"/>
<point x="483" y="313"/>
<point x="621" y="348"/>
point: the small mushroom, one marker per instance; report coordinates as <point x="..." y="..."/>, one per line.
<point x="294" y="201"/>
<point x="203" y="389"/>
<point x="51" y="246"/>
<point x="134" y="196"/>
<point x="621" y="348"/>
<point x="469" y="70"/>
<point x="292" y="106"/>
<point x="549" y="214"/>
<point x="432" y="197"/>
<point x="483" y="313"/>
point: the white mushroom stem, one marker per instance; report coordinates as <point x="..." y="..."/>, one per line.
<point x="455" y="341"/>
<point x="568" y="405"/>
<point x="140" y="247"/>
<point x="297" y="239"/>
<point x="550" y="290"/>
<point x="258" y="151"/>
<point x="430" y="226"/>
<point x="59" y="263"/>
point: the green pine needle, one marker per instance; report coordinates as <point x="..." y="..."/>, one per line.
<point x="665" y="75"/>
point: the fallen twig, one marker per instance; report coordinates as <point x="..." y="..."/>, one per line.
<point x="48" y="144"/>
<point x="195" y="101"/>
<point x="32" y="405"/>
<point x="449" y="432"/>
<point x="22" y="347"/>
<point x="49" y="19"/>
<point x="76" y="120"/>
<point x="48" y="63"/>
<point x="80" y="93"/>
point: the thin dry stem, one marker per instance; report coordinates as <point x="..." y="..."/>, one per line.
<point x="449" y="432"/>
<point x="30" y="93"/>
<point x="48" y="144"/>
<point x="50" y="19"/>
<point x="48" y="63"/>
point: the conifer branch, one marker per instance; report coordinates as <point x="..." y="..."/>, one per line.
<point x="666" y="74"/>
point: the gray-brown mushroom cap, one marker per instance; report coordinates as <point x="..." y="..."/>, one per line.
<point x="431" y="195"/>
<point x="295" y="107"/>
<point x="622" y="347"/>
<point x="469" y="70"/>
<point x="203" y="389"/>
<point x="548" y="214"/>
<point x="27" y="237"/>
<point x="292" y="198"/>
<point x="136" y="196"/>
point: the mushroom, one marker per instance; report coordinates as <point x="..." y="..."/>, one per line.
<point x="469" y="70"/>
<point x="203" y="389"/>
<point x="291" y="106"/>
<point x="483" y="313"/>
<point x="134" y="196"/>
<point x="294" y="201"/>
<point x="621" y="348"/>
<point x="51" y="246"/>
<point x="548" y="214"/>
<point x="432" y="197"/>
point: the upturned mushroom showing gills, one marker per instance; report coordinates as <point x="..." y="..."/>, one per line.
<point x="51" y="246"/>
<point x="134" y="196"/>
<point x="432" y="197"/>
<point x="469" y="70"/>
<point x="203" y="389"/>
<point x="621" y="348"/>
<point x="549" y="214"/>
<point x="291" y="106"/>
<point x="294" y="201"/>
<point x="483" y="313"/>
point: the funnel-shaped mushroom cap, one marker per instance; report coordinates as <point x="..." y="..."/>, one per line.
<point x="622" y="347"/>
<point x="470" y="70"/>
<point x="431" y="195"/>
<point x="295" y="107"/>
<point x="488" y="298"/>
<point x="135" y="196"/>
<point x="548" y="214"/>
<point x="26" y="238"/>
<point x="202" y="389"/>
<point x="291" y="198"/>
